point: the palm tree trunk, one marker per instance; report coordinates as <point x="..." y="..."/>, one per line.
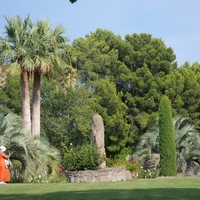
<point x="36" y="104"/>
<point x="26" y="111"/>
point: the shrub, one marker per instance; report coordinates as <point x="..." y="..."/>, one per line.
<point x="148" y="173"/>
<point x="120" y="161"/>
<point x="110" y="162"/>
<point x="84" y="157"/>
<point x="32" y="156"/>
<point x="124" y="153"/>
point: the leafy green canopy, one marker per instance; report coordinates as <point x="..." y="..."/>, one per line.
<point x="132" y="71"/>
<point x="33" y="49"/>
<point x="66" y="114"/>
<point x="123" y="80"/>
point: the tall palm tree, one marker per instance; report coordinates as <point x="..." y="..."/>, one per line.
<point x="15" y="53"/>
<point x="49" y="46"/>
<point x="34" y="49"/>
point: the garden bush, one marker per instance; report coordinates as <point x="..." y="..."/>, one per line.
<point x="84" y="157"/>
<point x="148" y="173"/>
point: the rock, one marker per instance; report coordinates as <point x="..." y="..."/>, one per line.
<point x="98" y="136"/>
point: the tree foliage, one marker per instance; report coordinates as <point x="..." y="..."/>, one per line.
<point x="135" y="75"/>
<point x="15" y="54"/>
<point x="72" y="1"/>
<point x="109" y="103"/>
<point x="121" y="79"/>
<point x="10" y="93"/>
<point x="166" y="139"/>
<point x="33" y="48"/>
<point x="66" y="114"/>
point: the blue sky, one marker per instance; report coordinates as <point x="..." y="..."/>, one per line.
<point x="176" y="22"/>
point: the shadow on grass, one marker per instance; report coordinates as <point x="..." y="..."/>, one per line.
<point x="149" y="194"/>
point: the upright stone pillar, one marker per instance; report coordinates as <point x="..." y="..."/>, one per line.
<point x="98" y="136"/>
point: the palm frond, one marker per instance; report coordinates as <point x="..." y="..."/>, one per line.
<point x="36" y="156"/>
<point x="187" y="143"/>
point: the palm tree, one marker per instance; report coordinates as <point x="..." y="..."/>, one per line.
<point x="34" y="49"/>
<point x="9" y="125"/>
<point x="149" y="144"/>
<point x="187" y="145"/>
<point x="49" y="48"/>
<point x="15" y="53"/>
<point x="147" y="151"/>
<point x="31" y="157"/>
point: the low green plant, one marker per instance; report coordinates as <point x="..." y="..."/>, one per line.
<point x="38" y="179"/>
<point x="59" y="179"/>
<point x="148" y="173"/>
<point x="32" y="156"/>
<point x="16" y="178"/>
<point x="16" y="168"/>
<point x="131" y="165"/>
<point x="110" y="162"/>
<point x="84" y="157"/>
<point x="128" y="165"/>
<point x="124" y="153"/>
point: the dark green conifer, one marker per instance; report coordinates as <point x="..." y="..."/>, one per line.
<point x="167" y="139"/>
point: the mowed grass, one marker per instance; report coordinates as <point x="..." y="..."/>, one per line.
<point x="181" y="188"/>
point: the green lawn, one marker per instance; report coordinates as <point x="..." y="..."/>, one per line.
<point x="181" y="188"/>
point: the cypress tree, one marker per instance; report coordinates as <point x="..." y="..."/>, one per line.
<point x="167" y="139"/>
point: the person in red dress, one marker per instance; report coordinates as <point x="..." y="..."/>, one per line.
<point x="4" y="171"/>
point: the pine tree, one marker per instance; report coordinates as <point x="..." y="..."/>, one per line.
<point x="167" y="139"/>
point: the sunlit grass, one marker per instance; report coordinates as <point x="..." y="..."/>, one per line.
<point x="160" y="188"/>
